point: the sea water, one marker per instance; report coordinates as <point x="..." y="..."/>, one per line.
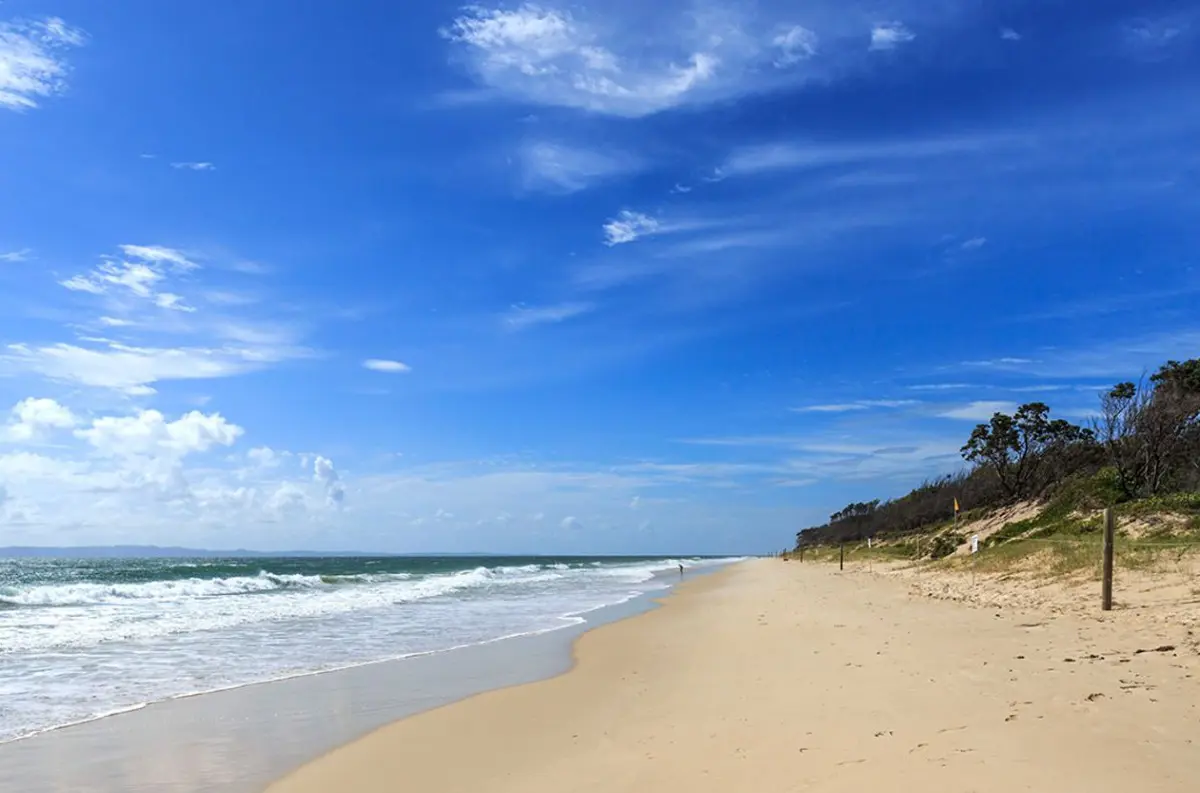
<point x="81" y="639"/>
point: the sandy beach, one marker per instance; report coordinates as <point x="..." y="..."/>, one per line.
<point x="773" y="676"/>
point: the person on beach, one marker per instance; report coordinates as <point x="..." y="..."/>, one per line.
<point x="680" y="570"/>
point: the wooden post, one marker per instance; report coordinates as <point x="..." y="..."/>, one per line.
<point x="1110" y="530"/>
<point x="802" y="553"/>
<point x="841" y="556"/>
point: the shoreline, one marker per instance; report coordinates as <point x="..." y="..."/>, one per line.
<point x="238" y="739"/>
<point x="772" y="676"/>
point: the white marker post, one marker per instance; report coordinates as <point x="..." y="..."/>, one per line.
<point x="975" y="544"/>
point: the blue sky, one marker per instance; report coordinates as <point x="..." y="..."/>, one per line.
<point x="608" y="277"/>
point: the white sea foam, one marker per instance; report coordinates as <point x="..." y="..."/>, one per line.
<point x="73" y="651"/>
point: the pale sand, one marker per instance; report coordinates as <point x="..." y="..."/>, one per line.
<point x="775" y="676"/>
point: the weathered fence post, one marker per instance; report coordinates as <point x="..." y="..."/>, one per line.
<point x="1106" y="597"/>
<point x="802" y="553"/>
<point x="841" y="556"/>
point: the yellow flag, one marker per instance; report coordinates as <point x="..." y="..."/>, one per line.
<point x="956" y="505"/>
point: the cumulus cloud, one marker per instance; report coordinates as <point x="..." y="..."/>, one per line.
<point x="887" y="35"/>
<point x="1008" y="34"/>
<point x="552" y="167"/>
<point x="629" y="226"/>
<point x="32" y="60"/>
<point x="31" y="418"/>
<point x="796" y="44"/>
<point x="148" y="432"/>
<point x="572" y="523"/>
<point x="263" y="457"/>
<point x="327" y="476"/>
<point x="383" y="365"/>
<point x="522" y="317"/>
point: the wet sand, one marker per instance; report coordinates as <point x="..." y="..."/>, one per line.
<point x="774" y="676"/>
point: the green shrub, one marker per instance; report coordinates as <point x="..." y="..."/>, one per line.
<point x="944" y="545"/>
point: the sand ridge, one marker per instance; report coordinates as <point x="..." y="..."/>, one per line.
<point x="774" y="676"/>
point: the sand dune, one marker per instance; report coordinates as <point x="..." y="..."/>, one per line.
<point x="776" y="676"/>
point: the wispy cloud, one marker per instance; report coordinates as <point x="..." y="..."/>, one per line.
<point x="521" y="317"/>
<point x="1008" y="34"/>
<point x="861" y="404"/>
<point x="794" y="45"/>
<point x="628" y="226"/>
<point x="1159" y="37"/>
<point x="133" y="369"/>
<point x="999" y="362"/>
<point x="160" y="255"/>
<point x="979" y="411"/>
<point x="887" y="35"/>
<point x="194" y="166"/>
<point x="792" y="155"/>
<point x="842" y="407"/>
<point x="16" y="256"/>
<point x="975" y="243"/>
<point x="548" y="56"/>
<point x="385" y="365"/>
<point x="939" y="386"/>
<point x="32" y="62"/>
<point x="138" y="274"/>
<point x="559" y="168"/>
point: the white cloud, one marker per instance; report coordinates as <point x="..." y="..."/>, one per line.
<point x="263" y="457"/>
<point x="521" y="317"/>
<point x="975" y="243"/>
<point x="1008" y="34"/>
<point x="16" y="256"/>
<point x="795" y="45"/>
<point x="860" y="404"/>
<point x="547" y="56"/>
<point x="559" y="168"/>
<point x="1000" y="362"/>
<point x="137" y="275"/>
<point x="114" y="322"/>
<point x="327" y="476"/>
<point x="979" y="411"/>
<point x="159" y="255"/>
<point x="30" y="418"/>
<point x="886" y="35"/>
<point x="130" y="369"/>
<point x="194" y="166"/>
<point x="791" y="155"/>
<point x="32" y="66"/>
<point x="628" y="226"/>
<point x="939" y="386"/>
<point x="833" y="408"/>
<point x="572" y="523"/>
<point x="382" y="365"/>
<point x="148" y="432"/>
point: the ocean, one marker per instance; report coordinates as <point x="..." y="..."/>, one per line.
<point x="82" y="639"/>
